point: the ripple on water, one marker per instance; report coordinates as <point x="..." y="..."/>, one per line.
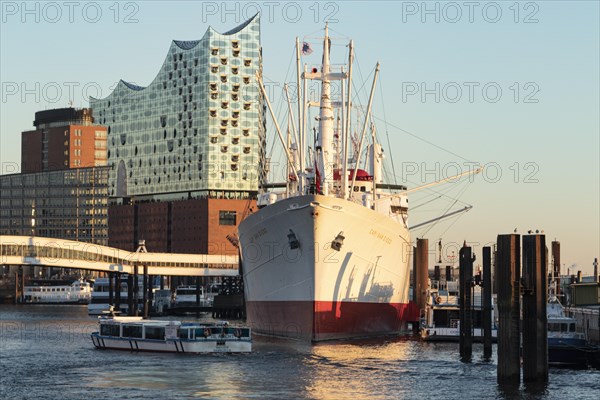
<point x="46" y="352"/>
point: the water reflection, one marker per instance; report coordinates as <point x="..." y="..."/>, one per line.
<point x="46" y="352"/>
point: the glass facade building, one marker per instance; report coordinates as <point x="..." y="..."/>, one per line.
<point x="65" y="204"/>
<point x="196" y="131"/>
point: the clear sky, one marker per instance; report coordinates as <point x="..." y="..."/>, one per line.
<point x="511" y="85"/>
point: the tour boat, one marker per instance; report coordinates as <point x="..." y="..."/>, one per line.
<point x="100" y="299"/>
<point x="138" y="334"/>
<point x="50" y="291"/>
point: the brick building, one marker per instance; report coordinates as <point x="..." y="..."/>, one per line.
<point x="63" y="138"/>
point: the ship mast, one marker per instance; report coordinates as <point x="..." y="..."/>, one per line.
<point x="325" y="160"/>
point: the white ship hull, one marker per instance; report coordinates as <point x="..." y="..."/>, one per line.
<point x="315" y="292"/>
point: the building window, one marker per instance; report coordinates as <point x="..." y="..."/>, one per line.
<point x="227" y="218"/>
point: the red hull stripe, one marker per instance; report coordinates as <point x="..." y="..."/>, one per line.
<point x="322" y="320"/>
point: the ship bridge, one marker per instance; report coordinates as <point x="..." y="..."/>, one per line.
<point x="60" y="253"/>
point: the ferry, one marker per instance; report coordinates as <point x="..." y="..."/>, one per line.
<point x="441" y="322"/>
<point x="185" y="296"/>
<point x="137" y="334"/>
<point x="50" y="291"/>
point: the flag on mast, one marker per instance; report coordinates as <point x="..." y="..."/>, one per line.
<point x="306" y="49"/>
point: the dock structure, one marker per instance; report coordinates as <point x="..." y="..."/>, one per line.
<point x="508" y="274"/>
<point x="421" y="274"/>
<point x="555" y="246"/>
<point x="535" y="299"/>
<point x="487" y="302"/>
<point x="465" y="301"/>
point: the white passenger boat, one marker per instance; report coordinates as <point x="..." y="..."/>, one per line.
<point x="100" y="296"/>
<point x="185" y="296"/>
<point x="137" y="334"/>
<point x="57" y="292"/>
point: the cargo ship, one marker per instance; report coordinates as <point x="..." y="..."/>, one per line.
<point x="328" y="258"/>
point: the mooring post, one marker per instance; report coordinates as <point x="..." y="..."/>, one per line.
<point x="556" y="266"/>
<point x="118" y="291"/>
<point x="145" y="291"/>
<point x="414" y="274"/>
<point x="197" y="296"/>
<point x="136" y="289"/>
<point x="508" y="275"/>
<point x="150" y="293"/>
<point x="17" y="286"/>
<point x="535" y="299"/>
<point x="487" y="302"/>
<point x="130" y="303"/>
<point x="111" y="289"/>
<point x="465" y="299"/>
<point x="422" y="275"/>
<point x="23" y="285"/>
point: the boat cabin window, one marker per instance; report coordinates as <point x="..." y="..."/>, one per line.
<point x="132" y="331"/>
<point x="155" y="332"/>
<point x="184" y="333"/>
<point x="109" y="330"/>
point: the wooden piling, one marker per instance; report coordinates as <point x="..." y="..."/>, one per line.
<point x="437" y="276"/>
<point x="508" y="275"/>
<point x="111" y="289"/>
<point x="130" y="303"/>
<point x="118" y="291"/>
<point x="422" y="274"/>
<point x="145" y="291"/>
<point x="22" y="285"/>
<point x="487" y="302"/>
<point x="465" y="300"/>
<point x="414" y="274"/>
<point x="197" y="296"/>
<point x="136" y="290"/>
<point x="150" y="293"/>
<point x="535" y="299"/>
<point x="556" y="266"/>
<point x="448" y="273"/>
<point x="17" y="287"/>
